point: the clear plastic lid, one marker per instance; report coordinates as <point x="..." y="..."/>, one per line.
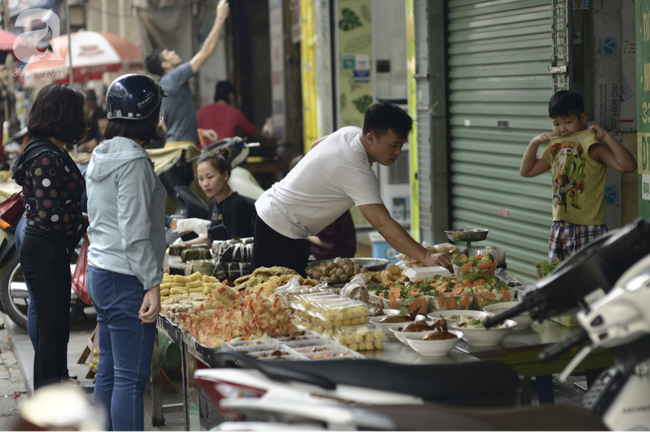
<point x="366" y="337"/>
<point x="342" y="310"/>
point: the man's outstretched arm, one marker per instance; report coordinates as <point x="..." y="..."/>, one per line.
<point x="211" y="42"/>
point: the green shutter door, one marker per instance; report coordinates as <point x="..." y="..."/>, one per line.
<point x="499" y="86"/>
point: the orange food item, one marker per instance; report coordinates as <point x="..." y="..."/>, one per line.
<point x="463" y="256"/>
<point x="488" y="295"/>
<point x="506" y="294"/>
<point x="441" y="302"/>
<point x="486" y="265"/>
<point x="458" y="289"/>
<point x="465" y="302"/>
<point x="465" y="267"/>
<point x="467" y="284"/>
<point x="420" y="304"/>
<point x="395" y="291"/>
<point x="452" y="303"/>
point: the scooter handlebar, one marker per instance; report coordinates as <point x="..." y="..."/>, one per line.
<point x="502" y="316"/>
<point x="556" y="350"/>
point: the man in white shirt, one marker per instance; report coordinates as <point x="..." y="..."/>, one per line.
<point x="332" y="177"/>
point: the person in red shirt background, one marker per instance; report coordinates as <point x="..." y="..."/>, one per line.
<point x="224" y="118"/>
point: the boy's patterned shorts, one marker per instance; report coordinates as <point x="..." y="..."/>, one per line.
<point x="567" y="238"/>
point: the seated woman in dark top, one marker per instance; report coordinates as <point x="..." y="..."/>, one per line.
<point x="231" y="215"/>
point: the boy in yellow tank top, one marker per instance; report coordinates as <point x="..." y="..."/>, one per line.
<point x="579" y="159"/>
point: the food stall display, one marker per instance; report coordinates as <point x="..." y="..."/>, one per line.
<point x="173" y="285"/>
<point x="268" y="279"/>
<point x="475" y="268"/>
<point x="440" y="293"/>
<point x="250" y="315"/>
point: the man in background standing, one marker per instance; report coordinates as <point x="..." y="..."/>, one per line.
<point x="178" y="108"/>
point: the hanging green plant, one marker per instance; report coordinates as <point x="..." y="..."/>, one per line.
<point x="362" y="103"/>
<point x="350" y="20"/>
<point x="366" y="15"/>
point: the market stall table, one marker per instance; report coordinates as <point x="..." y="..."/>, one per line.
<point x="519" y="350"/>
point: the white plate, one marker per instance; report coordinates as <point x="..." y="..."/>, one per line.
<point x="523" y="320"/>
<point x="460" y="313"/>
<point x="401" y="336"/>
<point x="432" y="348"/>
<point x="486" y="337"/>
<point x="386" y="327"/>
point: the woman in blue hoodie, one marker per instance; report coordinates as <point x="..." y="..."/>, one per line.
<point x="127" y="247"/>
<point x="52" y="188"/>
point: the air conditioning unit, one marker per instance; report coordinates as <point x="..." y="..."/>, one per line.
<point x="395" y="188"/>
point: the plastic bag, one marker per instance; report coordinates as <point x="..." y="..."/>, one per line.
<point x="356" y="289"/>
<point x="79" y="277"/>
<point x="12" y="209"/>
<point x="199" y="226"/>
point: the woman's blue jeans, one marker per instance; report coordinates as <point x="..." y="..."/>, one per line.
<point x="125" y="347"/>
<point x="31" y="309"/>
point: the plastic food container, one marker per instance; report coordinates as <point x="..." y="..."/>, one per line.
<point x="459" y="302"/>
<point x="251" y="346"/>
<point x="338" y="312"/>
<point x="419" y="273"/>
<point x="304" y="301"/>
<point x="486" y="298"/>
<point x="367" y="337"/>
<point x="279" y="354"/>
<point x="332" y="352"/>
<point x="306" y="343"/>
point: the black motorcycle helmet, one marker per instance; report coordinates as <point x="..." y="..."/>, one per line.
<point x="133" y="97"/>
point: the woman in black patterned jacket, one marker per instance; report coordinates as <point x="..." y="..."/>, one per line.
<point x="52" y="189"/>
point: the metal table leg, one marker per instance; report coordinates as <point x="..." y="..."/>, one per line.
<point x="157" y="419"/>
<point x="190" y="391"/>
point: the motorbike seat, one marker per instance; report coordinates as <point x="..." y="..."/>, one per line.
<point x="431" y="417"/>
<point x="470" y="384"/>
<point x="478" y="384"/>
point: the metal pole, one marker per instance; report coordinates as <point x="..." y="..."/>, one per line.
<point x="122" y="19"/>
<point x="9" y="62"/>
<point x="67" y="24"/>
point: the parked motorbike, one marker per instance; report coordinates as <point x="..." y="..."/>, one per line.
<point x="619" y="399"/>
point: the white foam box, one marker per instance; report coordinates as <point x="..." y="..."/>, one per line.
<point x="419" y="273"/>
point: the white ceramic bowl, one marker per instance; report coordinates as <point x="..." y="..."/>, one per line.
<point x="432" y="348"/>
<point x="386" y="327"/>
<point x="464" y="313"/>
<point x="523" y="320"/>
<point x="401" y="336"/>
<point x="391" y="312"/>
<point x="485" y="337"/>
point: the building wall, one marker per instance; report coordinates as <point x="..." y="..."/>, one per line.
<point x="110" y="20"/>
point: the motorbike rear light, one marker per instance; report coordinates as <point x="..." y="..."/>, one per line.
<point x="217" y="390"/>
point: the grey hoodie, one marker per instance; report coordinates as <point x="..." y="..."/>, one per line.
<point x="126" y="208"/>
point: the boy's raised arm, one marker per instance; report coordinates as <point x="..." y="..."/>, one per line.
<point x="614" y="155"/>
<point x="531" y="165"/>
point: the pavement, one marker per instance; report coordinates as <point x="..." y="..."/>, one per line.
<point x="17" y="372"/>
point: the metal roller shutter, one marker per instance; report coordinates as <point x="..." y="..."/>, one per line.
<point x="499" y="85"/>
<point x="421" y="26"/>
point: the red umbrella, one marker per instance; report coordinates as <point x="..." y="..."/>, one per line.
<point x="93" y="53"/>
<point x="7" y="41"/>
